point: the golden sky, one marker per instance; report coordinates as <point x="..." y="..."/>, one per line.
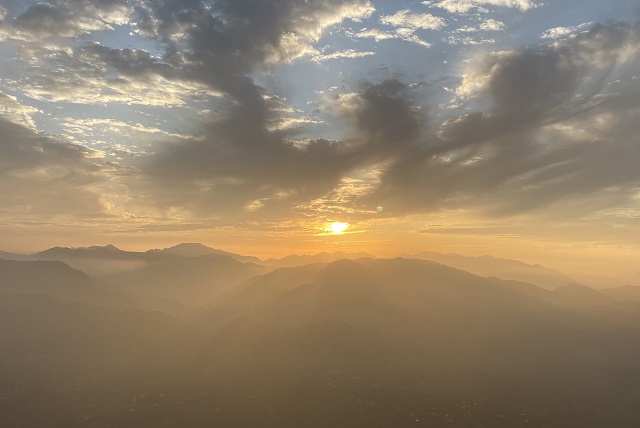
<point x="478" y="127"/>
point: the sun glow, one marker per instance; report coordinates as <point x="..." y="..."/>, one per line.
<point x="337" y="228"/>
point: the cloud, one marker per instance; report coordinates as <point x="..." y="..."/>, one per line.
<point x="348" y="53"/>
<point x="492" y="25"/>
<point x="464" y="6"/>
<point x="458" y="39"/>
<point x="16" y="112"/>
<point x="375" y="34"/>
<point x="249" y="152"/>
<point x="96" y="74"/>
<point x="43" y="178"/>
<point x="406" y="24"/>
<point x="209" y="48"/>
<point x="408" y="19"/>
<point x="70" y="18"/>
<point x="555" y="138"/>
<point x="229" y="171"/>
<point x="467" y="35"/>
<point x="564" y="32"/>
<point x="383" y="114"/>
<point x="87" y="126"/>
<point x="553" y="125"/>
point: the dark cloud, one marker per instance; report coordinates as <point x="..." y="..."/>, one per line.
<point x="385" y="116"/>
<point x="44" y="178"/>
<point x="562" y="131"/>
<point x="558" y="124"/>
<point x="241" y="162"/>
<point x="68" y="18"/>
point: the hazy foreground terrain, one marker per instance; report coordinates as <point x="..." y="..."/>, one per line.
<point x="195" y="337"/>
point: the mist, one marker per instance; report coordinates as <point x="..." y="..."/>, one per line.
<point x="194" y="336"/>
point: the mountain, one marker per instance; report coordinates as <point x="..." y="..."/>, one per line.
<point x="93" y="251"/>
<point x="305" y="259"/>
<point x="11" y="256"/>
<point x="58" y="357"/>
<point x="586" y="295"/>
<point x="196" y="250"/>
<point x="500" y="268"/>
<point x="423" y="328"/>
<point x="98" y="261"/>
<point x="596" y="302"/>
<point x="348" y="343"/>
<point x="190" y="280"/>
<point x="57" y="280"/>
<point x="626" y="293"/>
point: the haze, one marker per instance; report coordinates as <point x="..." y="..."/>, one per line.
<point x="196" y="336"/>
<point x="399" y="200"/>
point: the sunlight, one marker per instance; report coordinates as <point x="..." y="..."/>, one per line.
<point x="337" y="228"/>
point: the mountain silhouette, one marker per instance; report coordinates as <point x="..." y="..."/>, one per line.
<point x="57" y="280"/>
<point x="423" y="327"/>
<point x="190" y="280"/>
<point x="197" y="250"/>
<point x="11" y="256"/>
<point x="347" y="343"/>
<point x="97" y="261"/>
<point x="305" y="259"/>
<point x="629" y="293"/>
<point x="500" y="268"/>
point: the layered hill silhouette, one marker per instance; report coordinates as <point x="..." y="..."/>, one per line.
<point x="360" y="342"/>
<point x="108" y="259"/>
<point x="190" y="280"/>
<point x="56" y="279"/>
<point x="429" y="329"/>
<point x="98" y="261"/>
<point x="626" y="293"/>
<point x="501" y="268"/>
<point x="12" y="256"/>
<point x="305" y="259"/>
<point x="197" y="250"/>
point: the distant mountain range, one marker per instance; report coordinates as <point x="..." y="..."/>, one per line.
<point x="625" y="293"/>
<point x="11" y="256"/>
<point x="108" y="260"/>
<point x="347" y="343"/>
<point x="500" y="268"/>
<point x="189" y="280"/>
<point x="305" y="259"/>
<point x="56" y="279"/>
<point x="197" y="250"/>
<point x="423" y="327"/>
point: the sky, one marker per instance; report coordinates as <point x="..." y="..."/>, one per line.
<point x="505" y="127"/>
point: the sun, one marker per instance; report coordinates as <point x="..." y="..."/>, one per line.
<point x="337" y="228"/>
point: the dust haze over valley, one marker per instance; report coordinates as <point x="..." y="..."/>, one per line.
<point x="320" y="213"/>
<point x="194" y="336"/>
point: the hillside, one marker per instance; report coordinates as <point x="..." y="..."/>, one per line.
<point x="197" y="250"/>
<point x="500" y="268"/>
<point x="351" y="343"/>
<point x="426" y="329"/>
<point x="190" y="280"/>
<point x="306" y="259"/>
<point x="57" y="280"/>
<point x="629" y="293"/>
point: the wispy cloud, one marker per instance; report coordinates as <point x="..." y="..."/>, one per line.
<point x="464" y="6"/>
<point x="348" y="53"/>
<point x="406" y="23"/>
<point x="563" y="32"/>
<point x="408" y="19"/>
